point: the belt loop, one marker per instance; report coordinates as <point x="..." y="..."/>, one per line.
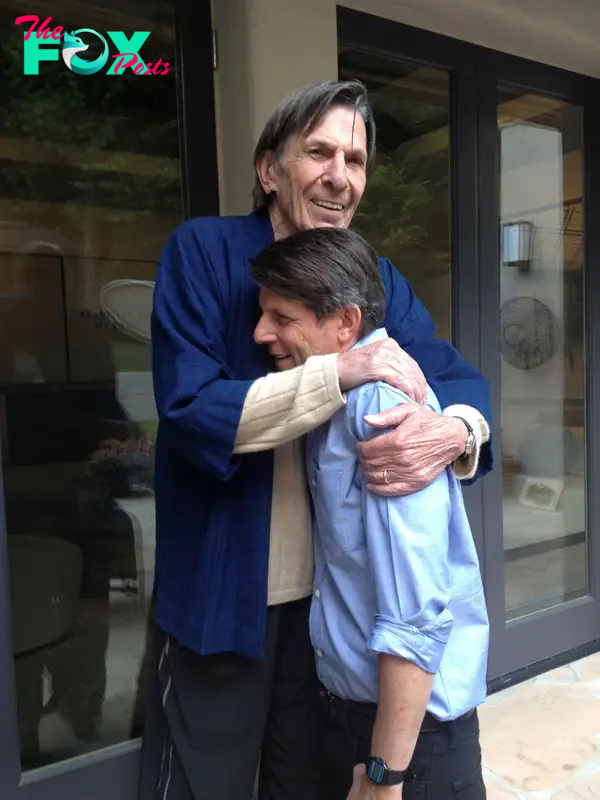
<point x="340" y="714"/>
<point x="349" y="734"/>
<point x="453" y="731"/>
<point x="325" y="703"/>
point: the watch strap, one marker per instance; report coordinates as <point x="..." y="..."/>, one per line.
<point x="380" y="773"/>
<point x="471" y="438"/>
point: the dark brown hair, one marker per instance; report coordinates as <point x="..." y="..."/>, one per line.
<point x="325" y="269"/>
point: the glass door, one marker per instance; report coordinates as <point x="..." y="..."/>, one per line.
<point x="91" y="189"/>
<point x="405" y="211"/>
<point x="542" y="511"/>
<point x="523" y="147"/>
<point x="542" y="347"/>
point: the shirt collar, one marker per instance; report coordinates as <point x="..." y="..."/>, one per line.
<point x="374" y="336"/>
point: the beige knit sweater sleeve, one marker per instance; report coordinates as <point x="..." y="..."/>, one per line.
<point x="285" y="405"/>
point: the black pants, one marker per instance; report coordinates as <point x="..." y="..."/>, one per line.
<point x="446" y="762"/>
<point x="210" y="718"/>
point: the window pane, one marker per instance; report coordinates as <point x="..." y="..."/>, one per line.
<point x="542" y="350"/>
<point x="405" y="211"/>
<point x="90" y="192"/>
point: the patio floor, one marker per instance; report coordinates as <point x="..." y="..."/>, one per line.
<point x="541" y="739"/>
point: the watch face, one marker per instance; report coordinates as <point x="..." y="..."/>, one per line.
<point x="376" y="771"/>
<point x="470" y="446"/>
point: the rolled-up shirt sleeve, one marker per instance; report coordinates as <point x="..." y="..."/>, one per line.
<point x="423" y="646"/>
<point x="407" y="543"/>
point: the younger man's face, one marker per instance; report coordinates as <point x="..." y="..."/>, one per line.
<point x="292" y="332"/>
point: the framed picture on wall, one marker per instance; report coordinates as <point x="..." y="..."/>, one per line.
<point x="541" y="493"/>
<point x="108" y="304"/>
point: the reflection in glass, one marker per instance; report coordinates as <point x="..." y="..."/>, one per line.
<point x="90" y="192"/>
<point x="405" y="212"/>
<point x="31" y="318"/>
<point x="542" y="350"/>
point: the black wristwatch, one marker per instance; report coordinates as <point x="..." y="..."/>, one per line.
<point x="379" y="772"/>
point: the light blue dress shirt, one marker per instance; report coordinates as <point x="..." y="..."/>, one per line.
<point x="395" y="575"/>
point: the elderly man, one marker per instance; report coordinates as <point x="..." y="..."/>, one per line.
<point x="398" y="618"/>
<point x="233" y="671"/>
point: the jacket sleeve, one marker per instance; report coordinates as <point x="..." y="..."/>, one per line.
<point x="454" y="381"/>
<point x="199" y="404"/>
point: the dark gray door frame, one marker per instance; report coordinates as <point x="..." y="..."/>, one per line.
<point x="476" y="73"/>
<point x="112" y="772"/>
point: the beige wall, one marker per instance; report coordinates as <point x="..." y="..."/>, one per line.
<point x="263" y="54"/>
<point x="268" y="47"/>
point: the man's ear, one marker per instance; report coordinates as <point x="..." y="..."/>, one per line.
<point x="349" y="325"/>
<point x="265" y="169"/>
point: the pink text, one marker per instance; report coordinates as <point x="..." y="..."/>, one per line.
<point x="141" y="69"/>
<point x="43" y="32"/>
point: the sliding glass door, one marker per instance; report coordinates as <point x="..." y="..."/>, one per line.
<point x="481" y="196"/>
<point x="94" y="181"/>
<point x="543" y="354"/>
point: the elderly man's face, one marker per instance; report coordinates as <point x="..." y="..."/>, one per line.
<point x="292" y="332"/>
<point x="322" y="177"/>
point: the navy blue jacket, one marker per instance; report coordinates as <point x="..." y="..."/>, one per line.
<point x="213" y="508"/>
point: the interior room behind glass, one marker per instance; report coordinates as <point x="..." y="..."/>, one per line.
<point x="90" y="191"/>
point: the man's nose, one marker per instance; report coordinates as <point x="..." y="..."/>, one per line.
<point x="262" y="334"/>
<point x="337" y="175"/>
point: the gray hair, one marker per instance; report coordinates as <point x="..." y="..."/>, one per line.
<point x="301" y="111"/>
<point x="325" y="269"/>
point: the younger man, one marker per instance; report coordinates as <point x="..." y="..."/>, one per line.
<point x="398" y="618"/>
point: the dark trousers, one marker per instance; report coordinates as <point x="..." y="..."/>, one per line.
<point x="446" y="762"/>
<point x="210" y="719"/>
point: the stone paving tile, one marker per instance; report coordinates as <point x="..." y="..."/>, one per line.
<point x="564" y="674"/>
<point x="497" y="790"/>
<point x="588" y="669"/>
<point x="587" y="788"/>
<point x="541" y="739"/>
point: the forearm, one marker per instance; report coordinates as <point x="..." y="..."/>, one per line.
<point x="466" y="394"/>
<point x="466" y="468"/>
<point x="461" y="391"/>
<point x="283" y="406"/>
<point x="404" y="691"/>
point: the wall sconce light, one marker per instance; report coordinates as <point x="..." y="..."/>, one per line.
<point x="517" y="244"/>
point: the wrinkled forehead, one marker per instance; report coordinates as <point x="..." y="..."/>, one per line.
<point x="341" y="125"/>
<point x="270" y="301"/>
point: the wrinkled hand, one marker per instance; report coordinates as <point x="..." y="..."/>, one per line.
<point x="415" y="453"/>
<point x="383" y="360"/>
<point x="364" y="789"/>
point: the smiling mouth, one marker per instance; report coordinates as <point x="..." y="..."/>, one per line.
<point x="280" y="362"/>
<point x="329" y="206"/>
